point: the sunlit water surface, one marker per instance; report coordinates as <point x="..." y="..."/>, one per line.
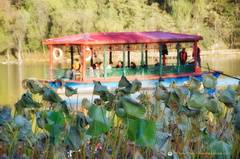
<point x="12" y="74"/>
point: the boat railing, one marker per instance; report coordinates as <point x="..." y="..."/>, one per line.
<point x="57" y="73"/>
<point x="149" y="70"/>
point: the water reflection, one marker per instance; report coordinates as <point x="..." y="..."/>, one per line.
<point x="12" y="74"/>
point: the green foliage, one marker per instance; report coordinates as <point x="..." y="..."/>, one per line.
<point x="25" y="24"/>
<point x="5" y="115"/>
<point x="229" y="97"/>
<point x="120" y="126"/>
<point x="100" y="123"/>
<point x="194" y="84"/>
<point x="146" y="133"/>
<point x="209" y="81"/>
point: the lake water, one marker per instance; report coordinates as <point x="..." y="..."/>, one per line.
<point x="12" y="74"/>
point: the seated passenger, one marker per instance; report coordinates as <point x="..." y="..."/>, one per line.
<point x="133" y="65"/>
<point x="156" y="62"/>
<point x="120" y="64"/>
<point x="70" y="74"/>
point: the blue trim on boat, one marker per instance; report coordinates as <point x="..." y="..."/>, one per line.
<point x="145" y="83"/>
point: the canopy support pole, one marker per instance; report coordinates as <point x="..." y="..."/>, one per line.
<point x="142" y="60"/>
<point x="71" y="51"/>
<point x="124" y="61"/>
<point x="128" y="56"/>
<point x="83" y="63"/>
<point x="51" y="61"/>
<point x="195" y="56"/>
<point x="146" y="56"/>
<point x="160" y="59"/>
<point x="178" y="58"/>
<point x="105" y="61"/>
<point x="110" y="56"/>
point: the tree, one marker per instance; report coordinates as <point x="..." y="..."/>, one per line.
<point x="18" y="29"/>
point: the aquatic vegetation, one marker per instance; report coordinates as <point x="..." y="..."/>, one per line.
<point x="167" y="122"/>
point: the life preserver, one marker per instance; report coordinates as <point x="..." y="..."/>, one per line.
<point x="55" y="51"/>
<point x="24" y="83"/>
<point x="60" y="83"/>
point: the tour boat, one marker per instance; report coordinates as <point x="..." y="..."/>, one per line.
<point x="139" y="47"/>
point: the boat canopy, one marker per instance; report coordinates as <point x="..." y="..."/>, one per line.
<point x="107" y="43"/>
<point x="122" y="38"/>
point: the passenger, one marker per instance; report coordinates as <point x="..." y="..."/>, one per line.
<point x="183" y="56"/>
<point x="120" y="64"/>
<point x="133" y="65"/>
<point x="198" y="56"/>
<point x="164" y="53"/>
<point x="100" y="65"/>
<point x="109" y="66"/>
<point x="109" y="69"/>
<point x="156" y="62"/>
<point x="75" y="69"/>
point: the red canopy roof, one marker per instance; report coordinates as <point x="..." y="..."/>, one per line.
<point x="122" y="38"/>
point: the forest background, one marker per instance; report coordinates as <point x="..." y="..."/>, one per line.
<point x="25" y="23"/>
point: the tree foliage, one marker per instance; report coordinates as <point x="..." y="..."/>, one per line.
<point x="25" y="23"/>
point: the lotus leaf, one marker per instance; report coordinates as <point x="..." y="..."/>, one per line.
<point x="100" y="124"/>
<point x="82" y="121"/>
<point x="69" y="91"/>
<point x="132" y="107"/>
<point x="123" y="91"/>
<point x="27" y="102"/>
<point x="237" y="123"/>
<point x="5" y="115"/>
<point x="208" y="139"/>
<point x="212" y="105"/>
<point x="209" y="81"/>
<point x="180" y="94"/>
<point x="55" y="134"/>
<point x="55" y="118"/>
<point x="19" y="121"/>
<point x="161" y="92"/>
<point x="120" y="112"/>
<point x="73" y="138"/>
<point x="146" y="135"/>
<point x="49" y="94"/>
<point x="161" y="139"/>
<point x="123" y="82"/>
<point x="162" y="122"/>
<point x="41" y="119"/>
<point x="194" y="85"/>
<point x="34" y="87"/>
<point x="221" y="150"/>
<point x="229" y="97"/>
<point x="64" y="108"/>
<point x="173" y="102"/>
<point x="197" y="101"/>
<point x="86" y="103"/>
<point x="132" y="128"/>
<point x="99" y="89"/>
<point x="25" y="127"/>
<point x="189" y="112"/>
<point x="136" y="86"/>
<point x="237" y="107"/>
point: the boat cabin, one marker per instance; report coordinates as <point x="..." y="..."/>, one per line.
<point x="154" y="54"/>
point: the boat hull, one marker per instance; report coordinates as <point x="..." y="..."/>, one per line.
<point x="146" y="82"/>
